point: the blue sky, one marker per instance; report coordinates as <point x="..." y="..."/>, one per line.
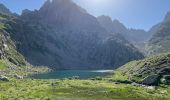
<point x="141" y="14"/>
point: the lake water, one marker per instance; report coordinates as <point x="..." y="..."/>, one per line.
<point x="61" y="74"/>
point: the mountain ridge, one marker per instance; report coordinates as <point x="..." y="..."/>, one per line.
<point x="62" y="40"/>
<point x="115" y="26"/>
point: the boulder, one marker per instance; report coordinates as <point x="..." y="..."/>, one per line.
<point x="167" y="77"/>
<point x="5" y="46"/>
<point x="124" y="81"/>
<point x="76" y="77"/>
<point x="4" y="78"/>
<point x="136" y="84"/>
<point x="166" y="80"/>
<point x="151" y="80"/>
<point x="1" y="54"/>
<point x="12" y="61"/>
<point x="18" y="77"/>
<point x="164" y="71"/>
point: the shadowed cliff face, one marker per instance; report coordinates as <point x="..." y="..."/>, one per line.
<point x="62" y="35"/>
<point x="114" y="26"/>
<point x="9" y="57"/>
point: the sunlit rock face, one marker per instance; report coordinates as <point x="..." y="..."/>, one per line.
<point x="62" y="35"/>
<point x="160" y="41"/>
<point x="4" y="10"/>
<point x="167" y="17"/>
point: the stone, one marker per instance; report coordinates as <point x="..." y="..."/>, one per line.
<point x="166" y="80"/>
<point x="4" y="78"/>
<point x="135" y="84"/>
<point x="76" y="77"/>
<point x="164" y="91"/>
<point x="18" y="77"/>
<point x="151" y="80"/>
<point x="1" y="54"/>
<point x="167" y="77"/>
<point x="12" y="61"/>
<point x="164" y="71"/>
<point x="98" y="78"/>
<point x="151" y="87"/>
<point x="5" y="46"/>
<point x="124" y="81"/>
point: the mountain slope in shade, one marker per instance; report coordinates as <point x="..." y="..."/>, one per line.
<point x="11" y="61"/>
<point x="112" y="26"/>
<point x="62" y="35"/>
<point x="160" y="41"/>
<point x="136" y="36"/>
<point x="133" y="35"/>
<point x="167" y="17"/>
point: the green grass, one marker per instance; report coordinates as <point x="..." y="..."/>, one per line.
<point x="2" y="26"/>
<point x="2" y="65"/>
<point x="28" y="89"/>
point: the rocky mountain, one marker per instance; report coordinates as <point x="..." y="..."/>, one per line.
<point x="160" y="41"/>
<point x="112" y="26"/>
<point x="136" y="36"/>
<point x="4" y="10"/>
<point x="11" y="61"/>
<point x="167" y="17"/>
<point x="63" y="35"/>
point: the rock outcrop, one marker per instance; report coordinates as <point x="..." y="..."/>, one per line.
<point x="151" y="80"/>
<point x="4" y="78"/>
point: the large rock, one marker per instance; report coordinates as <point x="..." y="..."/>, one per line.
<point x="12" y="61"/>
<point x="164" y="71"/>
<point x="4" y="78"/>
<point x="165" y="79"/>
<point x="1" y="54"/>
<point x="151" y="80"/>
<point x="18" y="76"/>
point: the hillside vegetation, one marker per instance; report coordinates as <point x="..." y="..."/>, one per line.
<point x="138" y="71"/>
<point x="11" y="61"/>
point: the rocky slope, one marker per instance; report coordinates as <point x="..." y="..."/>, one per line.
<point x="9" y="58"/>
<point x="12" y="63"/>
<point x="150" y="71"/>
<point x="160" y="41"/>
<point x="62" y="35"/>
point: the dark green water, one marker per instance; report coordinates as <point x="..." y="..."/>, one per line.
<point x="83" y="74"/>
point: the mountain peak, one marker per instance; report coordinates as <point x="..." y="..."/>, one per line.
<point x="60" y="1"/>
<point x="4" y="9"/>
<point x="116" y="21"/>
<point x="167" y="17"/>
<point x="58" y="10"/>
<point x="105" y="18"/>
<point x="112" y="26"/>
<point x="55" y="5"/>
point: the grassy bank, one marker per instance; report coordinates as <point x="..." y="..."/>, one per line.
<point x="29" y="89"/>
